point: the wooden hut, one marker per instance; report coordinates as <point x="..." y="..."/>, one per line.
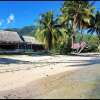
<point x="13" y="42"/>
<point x="33" y="44"/>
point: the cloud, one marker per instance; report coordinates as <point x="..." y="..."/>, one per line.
<point x="1" y="22"/>
<point x="11" y="18"/>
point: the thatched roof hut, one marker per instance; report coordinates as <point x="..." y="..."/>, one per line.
<point x="10" y="40"/>
<point x="9" y="37"/>
<point x="31" y="40"/>
<point x="32" y="43"/>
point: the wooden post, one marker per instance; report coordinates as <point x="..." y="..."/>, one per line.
<point x="18" y="45"/>
<point x="31" y="47"/>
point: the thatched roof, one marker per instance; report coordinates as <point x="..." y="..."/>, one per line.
<point x="9" y="36"/>
<point x="32" y="40"/>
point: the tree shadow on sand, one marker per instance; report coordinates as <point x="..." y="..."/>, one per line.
<point x="93" y="61"/>
<point x="12" y="61"/>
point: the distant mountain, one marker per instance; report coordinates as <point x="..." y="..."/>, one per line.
<point x="12" y="29"/>
<point x="27" y="30"/>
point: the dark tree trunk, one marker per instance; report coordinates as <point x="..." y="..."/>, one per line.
<point x="49" y="41"/>
<point x="74" y="27"/>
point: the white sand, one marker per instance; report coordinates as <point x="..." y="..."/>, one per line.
<point x="28" y="73"/>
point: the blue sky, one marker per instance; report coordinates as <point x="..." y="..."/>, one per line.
<point x="17" y="14"/>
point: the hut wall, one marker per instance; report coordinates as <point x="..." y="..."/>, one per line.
<point x="8" y="46"/>
<point x="13" y="46"/>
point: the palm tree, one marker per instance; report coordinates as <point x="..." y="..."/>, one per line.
<point x="78" y="13"/>
<point x="95" y="25"/>
<point x="48" y="31"/>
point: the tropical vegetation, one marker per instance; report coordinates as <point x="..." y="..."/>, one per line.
<point x="78" y="21"/>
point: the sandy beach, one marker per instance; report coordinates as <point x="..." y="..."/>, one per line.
<point x="48" y="76"/>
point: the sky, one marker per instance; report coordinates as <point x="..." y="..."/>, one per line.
<point x="17" y="14"/>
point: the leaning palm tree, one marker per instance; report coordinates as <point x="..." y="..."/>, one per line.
<point x="48" y="31"/>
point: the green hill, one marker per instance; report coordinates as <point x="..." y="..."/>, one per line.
<point x="27" y="30"/>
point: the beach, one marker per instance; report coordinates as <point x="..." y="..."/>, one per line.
<point x="57" y="76"/>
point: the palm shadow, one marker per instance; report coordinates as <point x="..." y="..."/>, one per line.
<point x="12" y="61"/>
<point x="93" y="61"/>
<point x="43" y="63"/>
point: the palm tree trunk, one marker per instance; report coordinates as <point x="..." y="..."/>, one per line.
<point x="81" y="33"/>
<point x="73" y="33"/>
<point x="74" y="27"/>
<point x="49" y="41"/>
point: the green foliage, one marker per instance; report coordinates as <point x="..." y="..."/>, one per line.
<point x="59" y="33"/>
<point x="66" y="47"/>
<point x="75" y="16"/>
<point x="99" y="48"/>
<point x="48" y="33"/>
<point x="92" y="42"/>
<point x="95" y="25"/>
